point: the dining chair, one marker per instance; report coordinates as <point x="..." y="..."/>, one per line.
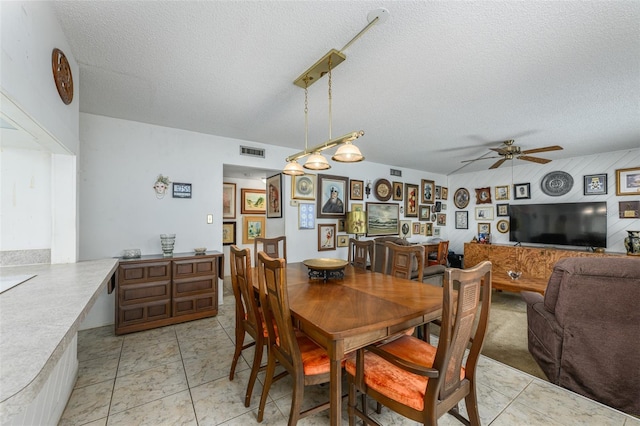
<point x="301" y="357"/>
<point x="404" y="261"/>
<point x="441" y="256"/>
<point x="361" y="253"/>
<point x="271" y="246"/>
<point x="418" y="380"/>
<point x="249" y="318"/>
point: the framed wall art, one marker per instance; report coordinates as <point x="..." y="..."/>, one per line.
<point x="629" y="209"/>
<point x="461" y="198"/>
<point x="595" y="184"/>
<point x="503" y="226"/>
<point x="343" y="241"/>
<point x="306" y="216"/>
<point x="326" y="237"/>
<point x="502" y="193"/>
<point x="356" y="190"/>
<point x="303" y="187"/>
<point x="397" y="191"/>
<point x="462" y="220"/>
<point x="431" y="231"/>
<point x="427" y="191"/>
<point x="411" y="198"/>
<point x="425" y="212"/>
<point x="628" y="181"/>
<point x="253" y="201"/>
<point x="181" y="190"/>
<point x="228" y="233"/>
<point x="445" y="193"/>
<point x="357" y="207"/>
<point x="415" y="228"/>
<point x="484" y="228"/>
<point x="441" y="219"/>
<point x="382" y="189"/>
<point x="382" y="219"/>
<point x="484" y="213"/>
<point x="438" y="192"/>
<point x="274" y="198"/>
<point x="252" y="227"/>
<point x="228" y="200"/>
<point x="483" y="195"/>
<point x="331" y="196"/>
<point x="521" y="191"/>
<point x="502" y="209"/>
<point x="405" y="228"/>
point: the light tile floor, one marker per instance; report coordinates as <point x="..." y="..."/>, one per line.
<point x="180" y="375"/>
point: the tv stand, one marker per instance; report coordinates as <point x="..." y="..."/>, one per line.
<point x="535" y="263"/>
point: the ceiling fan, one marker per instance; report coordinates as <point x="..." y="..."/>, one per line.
<point x="509" y="151"/>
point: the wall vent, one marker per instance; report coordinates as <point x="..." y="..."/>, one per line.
<point x="395" y="172"/>
<point x="252" y="152"/>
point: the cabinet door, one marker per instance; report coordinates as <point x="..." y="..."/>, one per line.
<point x="195" y="286"/>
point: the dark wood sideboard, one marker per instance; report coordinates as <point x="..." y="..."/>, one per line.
<point x="535" y="263"/>
<point x="154" y="291"/>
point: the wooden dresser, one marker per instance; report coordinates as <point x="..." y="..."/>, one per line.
<point x="535" y="263"/>
<point x="154" y="291"/>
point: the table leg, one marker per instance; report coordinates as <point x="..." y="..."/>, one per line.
<point x="335" y="398"/>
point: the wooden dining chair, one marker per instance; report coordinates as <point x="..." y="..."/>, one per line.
<point x="361" y="253"/>
<point x="249" y="318"/>
<point x="271" y="246"/>
<point x="404" y="261"/>
<point x="300" y="356"/>
<point x="420" y="381"/>
<point x="441" y="257"/>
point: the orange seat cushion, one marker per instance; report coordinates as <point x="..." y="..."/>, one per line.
<point x="396" y="383"/>
<point x="314" y="358"/>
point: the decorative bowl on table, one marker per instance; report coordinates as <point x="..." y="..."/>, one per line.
<point x="131" y="253"/>
<point x="200" y="250"/>
<point x="325" y="268"/>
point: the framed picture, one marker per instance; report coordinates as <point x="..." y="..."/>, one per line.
<point x="181" y="190"/>
<point x="521" y="191"/>
<point x="484" y="213"/>
<point x="274" y="198"/>
<point x="503" y="226"/>
<point x="484" y="228"/>
<point x="461" y="198"/>
<point x="228" y="200"/>
<point x="326" y="237"/>
<point x="252" y="201"/>
<point x="332" y="191"/>
<point x="342" y="225"/>
<point x="306" y="216"/>
<point x="629" y="209"/>
<point x="445" y="193"/>
<point x="437" y="207"/>
<point x="595" y="184"/>
<point x="431" y="231"/>
<point x="441" y="219"/>
<point x="425" y="212"/>
<point x="357" y="189"/>
<point x="405" y="228"/>
<point x="462" y="220"/>
<point x="252" y="227"/>
<point x="427" y="191"/>
<point x="416" y="228"/>
<point x="228" y="233"/>
<point x="382" y="219"/>
<point x="438" y="192"/>
<point x="502" y="209"/>
<point x="502" y="192"/>
<point x="423" y="228"/>
<point x="410" y="200"/>
<point x="343" y="241"/>
<point x="483" y="195"/>
<point x="397" y="191"/>
<point x="628" y="181"/>
<point x="303" y="187"/>
<point x="357" y="207"/>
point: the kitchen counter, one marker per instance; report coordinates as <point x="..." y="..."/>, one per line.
<point x="39" y="318"/>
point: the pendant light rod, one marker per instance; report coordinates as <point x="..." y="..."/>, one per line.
<point x="327" y="145"/>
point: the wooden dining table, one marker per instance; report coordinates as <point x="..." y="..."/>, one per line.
<point x="348" y="313"/>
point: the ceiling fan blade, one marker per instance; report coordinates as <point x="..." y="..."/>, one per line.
<point x="534" y="159"/>
<point x="543" y="149"/>
<point x="498" y="163"/>
<point x="476" y="159"/>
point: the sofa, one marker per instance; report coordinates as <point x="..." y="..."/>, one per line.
<point x="432" y="274"/>
<point x="585" y="331"/>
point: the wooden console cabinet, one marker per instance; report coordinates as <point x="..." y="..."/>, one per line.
<point x="154" y="291"/>
<point x="535" y="263"/>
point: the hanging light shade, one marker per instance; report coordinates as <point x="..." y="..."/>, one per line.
<point x="317" y="161"/>
<point x="348" y="153"/>
<point x="293" y="168"/>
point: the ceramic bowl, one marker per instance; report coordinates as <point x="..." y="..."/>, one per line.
<point x="200" y="250"/>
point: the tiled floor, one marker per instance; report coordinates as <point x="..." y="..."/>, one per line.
<point x="180" y="375"/>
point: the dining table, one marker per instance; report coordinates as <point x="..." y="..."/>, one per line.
<point x="360" y="308"/>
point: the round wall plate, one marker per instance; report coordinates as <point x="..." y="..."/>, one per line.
<point x="556" y="183"/>
<point x="383" y="189"/>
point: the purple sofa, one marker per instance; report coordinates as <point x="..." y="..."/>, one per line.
<point x="585" y="331"/>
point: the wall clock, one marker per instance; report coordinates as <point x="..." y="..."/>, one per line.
<point x="62" y="75"/>
<point x="383" y="189"/>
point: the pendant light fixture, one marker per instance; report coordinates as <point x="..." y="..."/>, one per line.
<point x="347" y="152"/>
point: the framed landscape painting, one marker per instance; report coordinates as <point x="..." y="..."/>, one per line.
<point x="253" y="201"/>
<point x="382" y="219"/>
<point x="252" y="228"/>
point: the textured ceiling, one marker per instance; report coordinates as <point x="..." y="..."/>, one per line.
<point x="437" y="83"/>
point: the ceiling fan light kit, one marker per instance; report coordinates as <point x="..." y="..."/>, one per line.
<point x="347" y="152"/>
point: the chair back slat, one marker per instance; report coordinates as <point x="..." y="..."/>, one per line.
<point x="241" y="282"/>
<point x="271" y="246"/>
<point x="404" y="261"/>
<point x="361" y="253"/>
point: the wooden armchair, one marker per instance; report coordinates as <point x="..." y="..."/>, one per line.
<point x="271" y="246"/>
<point x="420" y="381"/>
<point x="404" y="261"/>
<point x="361" y="253"/>
<point x="249" y="317"/>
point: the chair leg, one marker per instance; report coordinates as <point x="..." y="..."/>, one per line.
<point x="472" y="407"/>
<point x="255" y="368"/>
<point x="236" y="355"/>
<point x="352" y="405"/>
<point x="271" y="368"/>
<point x="296" y="400"/>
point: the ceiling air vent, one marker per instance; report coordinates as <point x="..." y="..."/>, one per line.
<point x="252" y="152"/>
<point x="395" y="172"/>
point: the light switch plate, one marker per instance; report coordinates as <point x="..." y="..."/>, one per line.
<point x="209" y="219"/>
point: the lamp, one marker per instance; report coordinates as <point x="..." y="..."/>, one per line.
<point x="357" y="223"/>
<point x="347" y="153"/>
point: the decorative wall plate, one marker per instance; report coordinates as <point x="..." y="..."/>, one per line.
<point x="62" y="75"/>
<point x="461" y="198"/>
<point x="383" y="190"/>
<point x="556" y="183"/>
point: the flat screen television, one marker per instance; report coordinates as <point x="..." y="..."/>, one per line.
<point x="567" y="224"/>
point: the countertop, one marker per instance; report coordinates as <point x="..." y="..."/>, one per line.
<point x="39" y="318"/>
